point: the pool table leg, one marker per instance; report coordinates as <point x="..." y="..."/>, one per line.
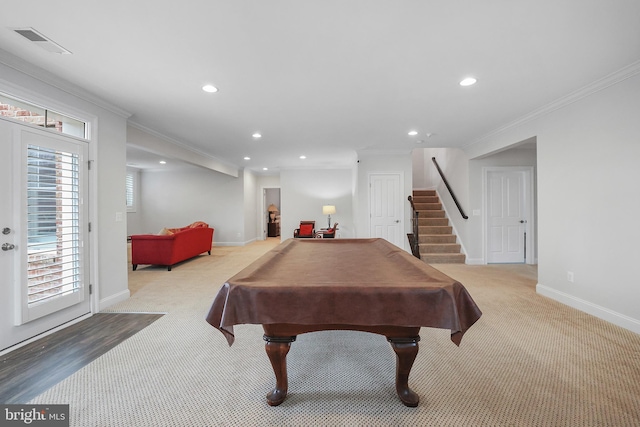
<point x="406" y="350"/>
<point x="277" y="349"/>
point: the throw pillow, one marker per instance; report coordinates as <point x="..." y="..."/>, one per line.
<point x="306" y="229"/>
<point x="199" y="224"/>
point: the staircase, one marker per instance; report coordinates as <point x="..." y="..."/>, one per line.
<point x="437" y="241"/>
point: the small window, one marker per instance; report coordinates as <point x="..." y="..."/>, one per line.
<point x="131" y="191"/>
<point x="28" y="113"/>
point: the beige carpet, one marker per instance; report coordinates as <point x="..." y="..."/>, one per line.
<point x="529" y="361"/>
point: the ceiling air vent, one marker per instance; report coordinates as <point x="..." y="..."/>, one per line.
<point x="40" y="40"/>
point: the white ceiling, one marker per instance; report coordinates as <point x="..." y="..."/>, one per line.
<point x="326" y="79"/>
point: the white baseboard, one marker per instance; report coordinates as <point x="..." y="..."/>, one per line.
<point x="590" y="308"/>
<point x="234" y="243"/>
<point x="113" y="299"/>
<point x="474" y="261"/>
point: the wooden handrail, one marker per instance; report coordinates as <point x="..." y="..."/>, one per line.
<point x="446" y="183"/>
<point x="414" y="238"/>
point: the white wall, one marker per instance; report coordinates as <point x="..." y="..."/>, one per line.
<point x="112" y="230"/>
<point x="370" y="163"/>
<point x="426" y="176"/>
<point x="178" y="198"/>
<point x="251" y="207"/>
<point x="304" y="192"/>
<point x="588" y="175"/>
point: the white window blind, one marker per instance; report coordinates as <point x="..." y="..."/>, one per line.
<point x="53" y="224"/>
<point x="130" y="192"/>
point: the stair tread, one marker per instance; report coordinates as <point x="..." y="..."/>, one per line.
<point x="437" y="243"/>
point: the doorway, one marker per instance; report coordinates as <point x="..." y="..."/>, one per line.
<point x="509" y="215"/>
<point x="44" y="222"/>
<point x="270" y="218"/>
<point x="386" y="207"/>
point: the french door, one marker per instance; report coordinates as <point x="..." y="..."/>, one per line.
<point x="44" y="260"/>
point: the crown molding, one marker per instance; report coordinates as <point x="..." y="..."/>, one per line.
<point x="600" y="84"/>
<point x="24" y="67"/>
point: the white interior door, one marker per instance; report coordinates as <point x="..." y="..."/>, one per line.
<point x="506" y="217"/>
<point x="45" y="262"/>
<point x="386" y="208"/>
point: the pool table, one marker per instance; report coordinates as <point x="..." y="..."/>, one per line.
<point x="369" y="285"/>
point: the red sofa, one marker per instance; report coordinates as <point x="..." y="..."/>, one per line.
<point x="171" y="248"/>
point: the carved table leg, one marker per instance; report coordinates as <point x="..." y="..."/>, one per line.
<point x="406" y="351"/>
<point x="277" y="349"/>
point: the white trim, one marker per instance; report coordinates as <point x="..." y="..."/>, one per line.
<point x="235" y="243"/>
<point x="590" y="308"/>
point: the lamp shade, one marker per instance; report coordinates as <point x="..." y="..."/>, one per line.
<point x="328" y="210"/>
<point x="272" y="208"/>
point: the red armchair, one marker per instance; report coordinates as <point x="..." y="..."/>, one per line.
<point x="307" y="230"/>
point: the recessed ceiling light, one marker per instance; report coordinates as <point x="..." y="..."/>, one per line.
<point x="303" y="157"/>
<point x="468" y="81"/>
<point x="209" y="88"/>
<point x="412" y="132"/>
<point x="247" y="158"/>
<point x="162" y="162"/>
<point x="257" y="135"/>
<point x="265" y="169"/>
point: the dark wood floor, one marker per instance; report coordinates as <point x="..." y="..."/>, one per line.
<point x="32" y="369"/>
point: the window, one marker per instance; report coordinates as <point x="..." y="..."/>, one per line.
<point x="131" y="190"/>
<point x="53" y="181"/>
<point x="28" y="113"/>
<point x="53" y="224"/>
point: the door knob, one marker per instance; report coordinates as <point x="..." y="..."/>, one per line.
<point x="8" y="246"/>
<point x="6" y="230"/>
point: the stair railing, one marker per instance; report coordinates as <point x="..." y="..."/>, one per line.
<point x="414" y="238"/>
<point x="446" y="183"/>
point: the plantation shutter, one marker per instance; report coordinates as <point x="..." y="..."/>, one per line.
<point x="129" y="191"/>
<point x="53" y="277"/>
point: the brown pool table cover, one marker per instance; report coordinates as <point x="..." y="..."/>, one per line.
<point x="342" y="281"/>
